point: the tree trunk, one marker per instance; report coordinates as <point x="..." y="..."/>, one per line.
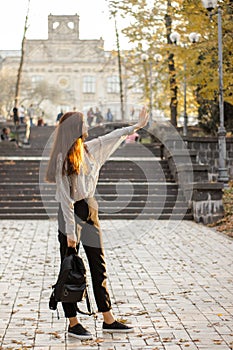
<point x="146" y="82"/>
<point x="20" y="69"/>
<point x="120" y="72"/>
<point x="171" y="68"/>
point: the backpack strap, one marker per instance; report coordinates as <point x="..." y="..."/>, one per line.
<point x="90" y="312"/>
<point x="88" y="303"/>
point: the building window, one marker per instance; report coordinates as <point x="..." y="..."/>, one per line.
<point x="37" y="78"/>
<point x="70" y="25"/>
<point x="56" y="25"/>
<point x="88" y="84"/>
<point x="135" y="85"/>
<point x="113" y="85"/>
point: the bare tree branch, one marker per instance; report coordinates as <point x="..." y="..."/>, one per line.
<point x="19" y="75"/>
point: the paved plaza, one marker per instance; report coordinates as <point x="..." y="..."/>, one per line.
<point x="173" y="281"/>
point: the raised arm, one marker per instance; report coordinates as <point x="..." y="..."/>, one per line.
<point x="103" y="146"/>
<point x="142" y="120"/>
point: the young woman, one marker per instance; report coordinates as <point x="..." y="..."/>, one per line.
<point x="74" y="166"/>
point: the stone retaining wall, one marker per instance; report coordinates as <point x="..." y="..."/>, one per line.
<point x="195" y="175"/>
<point x="207" y="205"/>
<point x="207" y="153"/>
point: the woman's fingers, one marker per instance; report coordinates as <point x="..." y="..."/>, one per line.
<point x="144" y="116"/>
<point x="143" y="111"/>
<point x="71" y="243"/>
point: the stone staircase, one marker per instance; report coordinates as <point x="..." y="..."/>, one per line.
<point x="134" y="184"/>
<point x="38" y="139"/>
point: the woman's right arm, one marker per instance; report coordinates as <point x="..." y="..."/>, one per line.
<point x="103" y="146"/>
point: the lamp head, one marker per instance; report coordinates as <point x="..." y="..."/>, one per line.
<point x="144" y="57"/>
<point x="175" y="37"/>
<point x="158" y="57"/>
<point x="194" y="37"/>
<point x="209" y="4"/>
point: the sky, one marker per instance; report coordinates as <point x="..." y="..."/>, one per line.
<point x="94" y="20"/>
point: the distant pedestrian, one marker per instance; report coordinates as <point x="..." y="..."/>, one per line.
<point x="60" y="114"/>
<point x="40" y="121"/>
<point x="5" y="135"/>
<point x="28" y="129"/>
<point x="99" y="118"/>
<point x="90" y="116"/>
<point x="21" y="114"/>
<point x="132" y="112"/>
<point x="16" y="115"/>
<point x="132" y="138"/>
<point x="30" y="113"/>
<point x="109" y="115"/>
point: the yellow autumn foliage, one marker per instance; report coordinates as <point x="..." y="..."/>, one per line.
<point x="147" y="32"/>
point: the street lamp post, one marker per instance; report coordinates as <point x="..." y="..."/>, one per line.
<point x="194" y="38"/>
<point x="185" y="125"/>
<point x="223" y="174"/>
<point x="148" y="86"/>
<point x="145" y="58"/>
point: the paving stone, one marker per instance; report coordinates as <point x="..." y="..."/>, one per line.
<point x="173" y="284"/>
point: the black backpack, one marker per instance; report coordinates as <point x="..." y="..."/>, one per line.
<point x="71" y="285"/>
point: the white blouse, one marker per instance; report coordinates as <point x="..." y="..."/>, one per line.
<point x="73" y="188"/>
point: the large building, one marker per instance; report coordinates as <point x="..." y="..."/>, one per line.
<point x="81" y="72"/>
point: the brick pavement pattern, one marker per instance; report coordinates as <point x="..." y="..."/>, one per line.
<point x="171" y="280"/>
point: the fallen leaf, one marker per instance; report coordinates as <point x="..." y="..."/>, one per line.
<point x="122" y="320"/>
<point x="166" y="340"/>
<point x="55" y="334"/>
<point x="16" y="341"/>
<point x="93" y="342"/>
<point x="181" y="340"/>
<point x="99" y="340"/>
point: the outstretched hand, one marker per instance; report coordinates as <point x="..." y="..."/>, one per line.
<point x="143" y="118"/>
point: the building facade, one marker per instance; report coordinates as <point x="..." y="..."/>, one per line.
<point x="81" y="72"/>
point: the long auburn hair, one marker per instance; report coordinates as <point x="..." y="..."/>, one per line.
<point x="69" y="142"/>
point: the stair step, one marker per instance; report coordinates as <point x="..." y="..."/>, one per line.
<point x="105" y="197"/>
<point x="102" y="205"/>
<point x="146" y="217"/>
<point x="104" y="210"/>
<point x="44" y="216"/>
<point x="102" y="184"/>
<point x="133" y="184"/>
<point x="35" y="179"/>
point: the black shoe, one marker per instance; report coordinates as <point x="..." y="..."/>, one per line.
<point x="79" y="332"/>
<point x="117" y="327"/>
